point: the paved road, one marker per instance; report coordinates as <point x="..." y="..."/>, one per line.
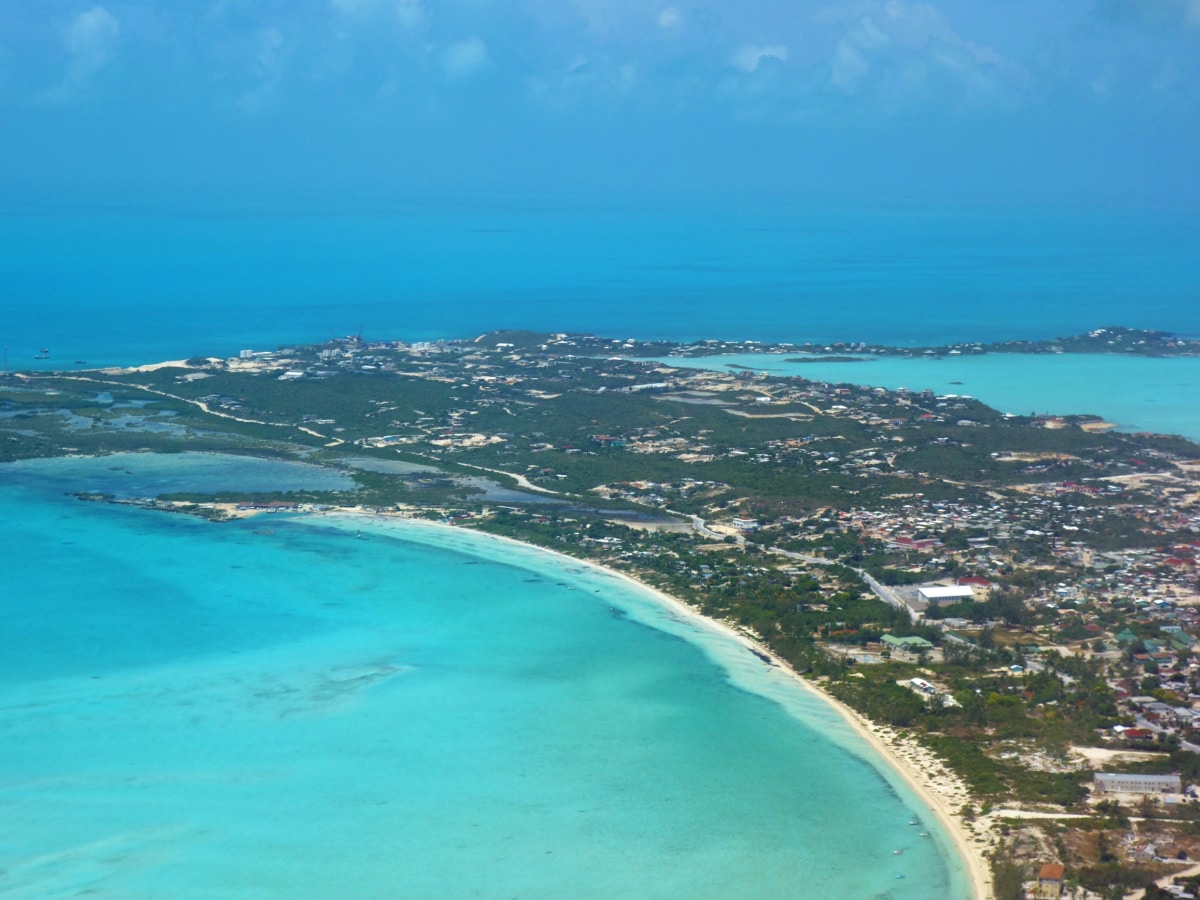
<point x="701" y="527"/>
<point x="887" y="595"/>
<point x="1158" y="729"/>
<point x="882" y="591"/>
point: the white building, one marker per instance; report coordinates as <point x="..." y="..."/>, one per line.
<point x="1121" y="783"/>
<point x="955" y="593"/>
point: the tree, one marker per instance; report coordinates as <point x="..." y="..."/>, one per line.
<point x="1103" y="850"/>
<point x="1008" y="878"/>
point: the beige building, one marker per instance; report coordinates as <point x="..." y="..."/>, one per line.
<point x="1049" y="882"/>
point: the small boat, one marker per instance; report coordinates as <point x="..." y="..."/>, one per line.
<point x="44" y="354"/>
<point x="914" y="822"/>
<point x="897" y="852"/>
<point x="924" y="834"/>
<point x="899" y="876"/>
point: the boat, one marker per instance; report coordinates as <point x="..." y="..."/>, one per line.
<point x="914" y="822"/>
<point x="897" y="852"/>
<point x="924" y="834"/>
<point x="43" y="354"/>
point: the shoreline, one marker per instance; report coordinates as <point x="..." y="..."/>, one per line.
<point x="1122" y="412"/>
<point x="882" y="739"/>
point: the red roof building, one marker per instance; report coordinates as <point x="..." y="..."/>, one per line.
<point x="1050" y="882"/>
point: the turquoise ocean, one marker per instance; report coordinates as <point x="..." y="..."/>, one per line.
<point x="1134" y="393"/>
<point x="312" y="707"/>
<point x="297" y="706"/>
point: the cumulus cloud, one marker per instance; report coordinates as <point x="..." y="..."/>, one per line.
<point x="464" y="59"/>
<point x="270" y="43"/>
<point x="670" y="18"/>
<point x="410" y="14"/>
<point x="1167" y="77"/>
<point x="749" y="57"/>
<point x="852" y="56"/>
<point x="907" y="53"/>
<point x="848" y="67"/>
<point x="90" y="41"/>
<point x="1167" y="13"/>
<point x="267" y="68"/>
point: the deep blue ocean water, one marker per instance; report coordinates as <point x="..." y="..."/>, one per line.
<point x="121" y="286"/>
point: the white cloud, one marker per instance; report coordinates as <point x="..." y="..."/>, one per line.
<point x="1167" y="77"/>
<point x="268" y="68"/>
<point x="409" y="14"/>
<point x="1159" y="13"/>
<point x="848" y="67"/>
<point x="270" y="43"/>
<point x="908" y="53"/>
<point x="851" y="57"/>
<point x="91" y="39"/>
<point x="354" y="7"/>
<point x="749" y="57"/>
<point x="671" y="18"/>
<point x="465" y="58"/>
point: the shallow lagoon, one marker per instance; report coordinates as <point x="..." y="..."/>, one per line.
<point x="202" y="709"/>
<point x="126" y="475"/>
<point x="1136" y="393"/>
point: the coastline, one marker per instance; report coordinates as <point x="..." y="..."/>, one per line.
<point x="1113" y="387"/>
<point x="911" y="762"/>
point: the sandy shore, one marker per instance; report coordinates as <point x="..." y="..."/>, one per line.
<point x="942" y="791"/>
<point x="937" y="787"/>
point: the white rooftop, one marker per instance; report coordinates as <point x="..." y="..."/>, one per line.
<point x="939" y="592"/>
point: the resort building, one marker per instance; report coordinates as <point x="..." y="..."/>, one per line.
<point x="1121" y="783"/>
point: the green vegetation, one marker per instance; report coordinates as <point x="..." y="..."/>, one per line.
<point x="803" y="494"/>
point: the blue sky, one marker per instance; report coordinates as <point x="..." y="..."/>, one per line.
<point x="1074" y="100"/>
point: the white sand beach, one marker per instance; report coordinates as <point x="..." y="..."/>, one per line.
<point x="938" y="788"/>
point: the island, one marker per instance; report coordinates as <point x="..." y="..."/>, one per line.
<point x="1007" y="605"/>
<point x="1112" y="339"/>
